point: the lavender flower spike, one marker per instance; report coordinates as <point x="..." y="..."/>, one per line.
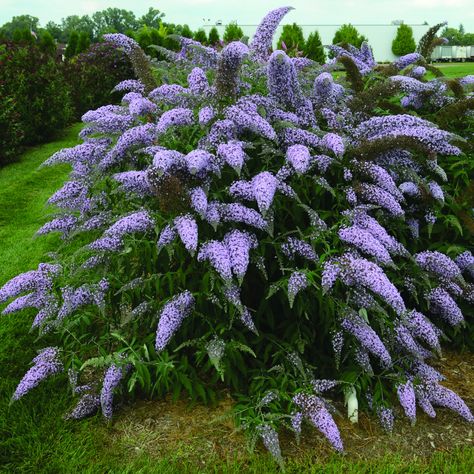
<point x="297" y="282"/>
<point x="86" y="406"/>
<point x="262" y="41"/>
<point x="264" y="186"/>
<point x="441" y="303"/>
<point x="313" y="408"/>
<point x="299" y="158"/>
<point x="437" y="263"/>
<point x="270" y="441"/>
<point x="112" y="378"/>
<point x="406" y="396"/>
<point x="367" y="337"/>
<point x="187" y="230"/>
<point x="239" y="244"/>
<point x="365" y="241"/>
<point x="174" y="117"/>
<point x="46" y="363"/>
<point x="171" y="317"/>
<point x="122" y="41"/>
<point x="218" y="255"/>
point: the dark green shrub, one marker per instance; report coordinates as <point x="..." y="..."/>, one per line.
<point x="83" y="43"/>
<point x="11" y="133"/>
<point x="291" y="39"/>
<point x="214" y="37"/>
<point x="47" y="43"/>
<point x="314" y="49"/>
<point x="102" y="61"/>
<point x="200" y="36"/>
<point x="33" y="79"/>
<point x="186" y="32"/>
<point x="23" y="36"/>
<point x="233" y="32"/>
<point x="72" y="45"/>
<point x="403" y="43"/>
<point x="156" y="38"/>
<point x="348" y="34"/>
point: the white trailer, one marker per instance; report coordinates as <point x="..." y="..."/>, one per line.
<point x="460" y="53"/>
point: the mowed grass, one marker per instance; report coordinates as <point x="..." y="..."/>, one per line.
<point x="34" y="438"/>
<point x="452" y="70"/>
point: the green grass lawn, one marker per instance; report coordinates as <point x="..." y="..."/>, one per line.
<point x="450" y="70"/>
<point x="33" y="436"/>
<point x="453" y="70"/>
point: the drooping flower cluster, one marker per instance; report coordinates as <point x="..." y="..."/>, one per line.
<point x="46" y="363"/>
<point x="314" y="409"/>
<point x="171" y="318"/>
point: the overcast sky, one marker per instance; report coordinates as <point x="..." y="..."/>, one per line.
<point x="250" y="11"/>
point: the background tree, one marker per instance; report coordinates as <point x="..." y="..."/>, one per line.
<point x="72" y="45"/>
<point x="214" y="37"/>
<point x="453" y="36"/>
<point x="314" y="48"/>
<point x="200" y="36"/>
<point x="233" y="32"/>
<point x="20" y="22"/>
<point x="76" y="23"/>
<point x="151" y="18"/>
<point x="113" y="20"/>
<point x="54" y="29"/>
<point x="348" y="34"/>
<point x="403" y="43"/>
<point x="291" y="39"/>
<point x="83" y="43"/>
<point x="458" y="37"/>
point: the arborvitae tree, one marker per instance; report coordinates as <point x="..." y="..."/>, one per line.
<point x="186" y="32"/>
<point x="23" y="36"/>
<point x="17" y="36"/>
<point x="314" y="48"/>
<point x="47" y="43"/>
<point x="71" y="45"/>
<point x="143" y="38"/>
<point x="213" y="36"/>
<point x="84" y="42"/>
<point x="233" y="32"/>
<point x="200" y="36"/>
<point x="403" y="43"/>
<point x="348" y="34"/>
<point x="293" y="39"/>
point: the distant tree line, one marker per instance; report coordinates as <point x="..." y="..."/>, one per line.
<point x="78" y="32"/>
<point x="458" y="36"/>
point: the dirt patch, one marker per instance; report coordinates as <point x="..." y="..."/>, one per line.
<point x="196" y="432"/>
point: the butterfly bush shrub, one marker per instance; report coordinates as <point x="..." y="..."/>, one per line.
<point x="253" y="227"/>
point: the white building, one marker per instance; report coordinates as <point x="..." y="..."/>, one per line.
<point x="380" y="36"/>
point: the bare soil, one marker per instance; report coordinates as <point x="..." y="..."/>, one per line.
<point x="194" y="432"/>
